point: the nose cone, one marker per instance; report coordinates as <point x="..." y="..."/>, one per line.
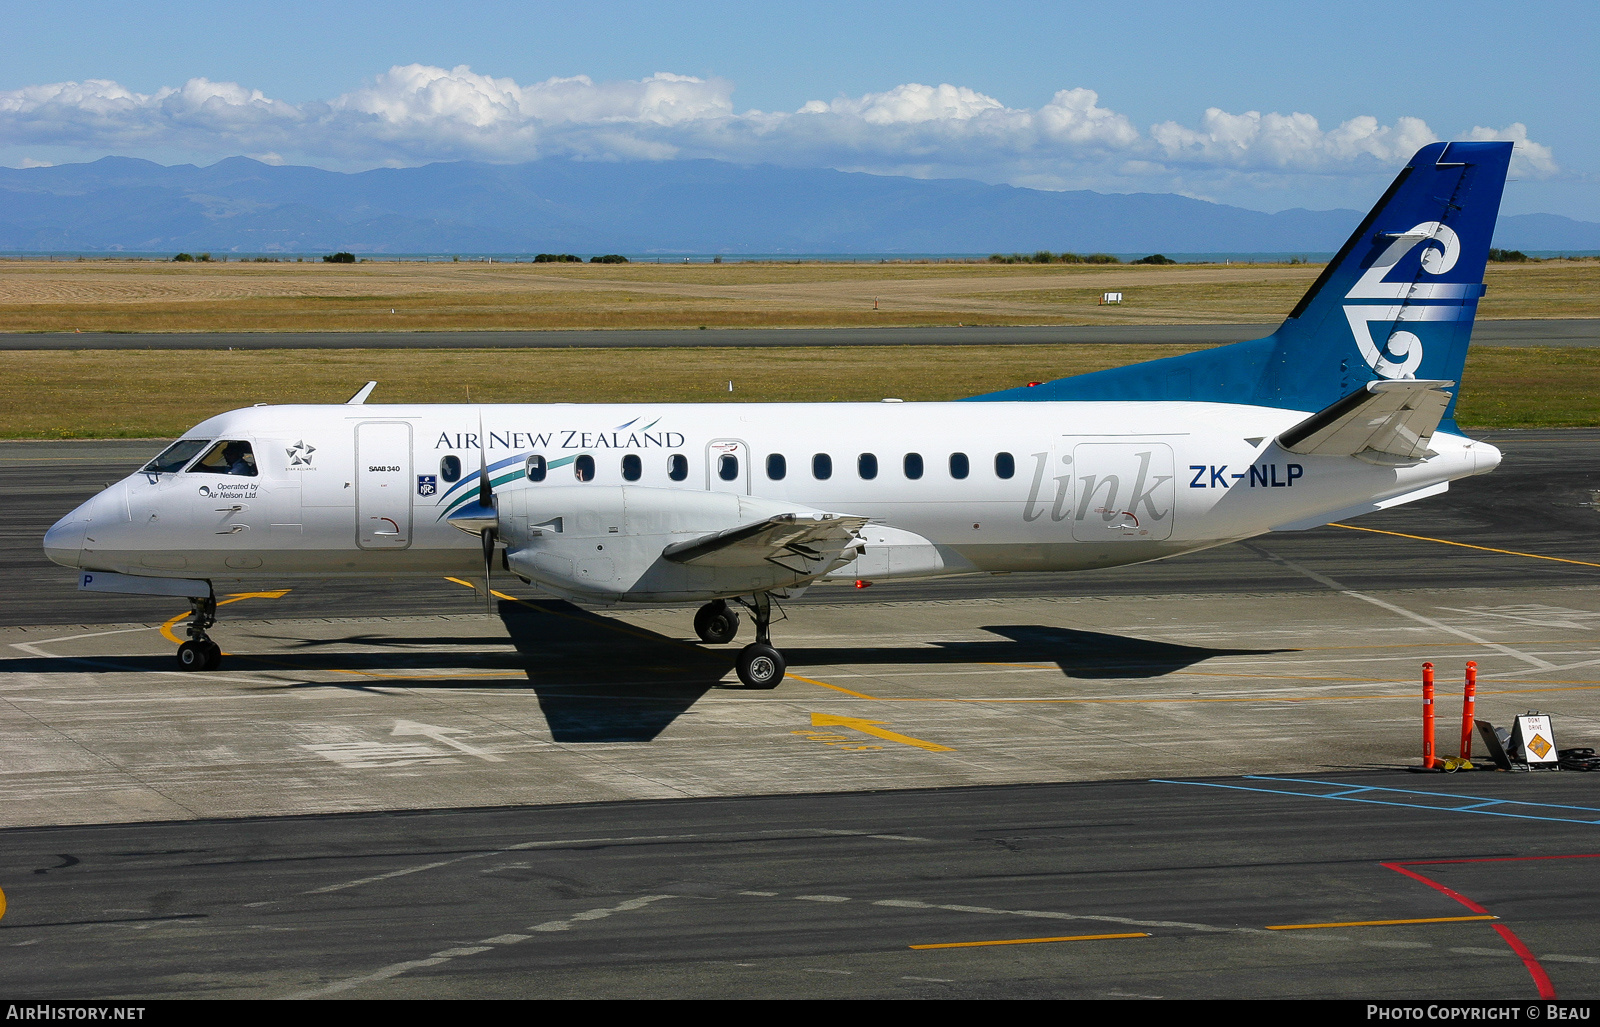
<point x="63" y="543"/>
<point x="1485" y="458"/>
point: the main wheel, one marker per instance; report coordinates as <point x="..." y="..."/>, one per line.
<point x="194" y="655"/>
<point x="716" y="624"/>
<point x="760" y="666"/>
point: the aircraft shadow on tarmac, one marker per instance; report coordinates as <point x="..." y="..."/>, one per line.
<point x="1079" y="654"/>
<point x="602" y="680"/>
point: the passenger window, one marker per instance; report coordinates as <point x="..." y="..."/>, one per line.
<point x="867" y="466"/>
<point x="450" y="468"/>
<point x="632" y="467"/>
<point x="913" y="466"/>
<point x="536" y="468"/>
<point x="822" y="467"/>
<point x="1004" y="465"/>
<point x="959" y="466"/>
<point x="677" y="467"/>
<point x="228" y="457"/>
<point x="777" y="466"/>
<point x="583" y="467"/>
<point x="172" y="459"/>
<point x="727" y="467"/>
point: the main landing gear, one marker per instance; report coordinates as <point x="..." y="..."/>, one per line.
<point x="759" y="664"/>
<point x="200" y="653"/>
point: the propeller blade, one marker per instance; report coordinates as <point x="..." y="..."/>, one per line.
<point x="488" y="563"/>
<point x="486" y="504"/>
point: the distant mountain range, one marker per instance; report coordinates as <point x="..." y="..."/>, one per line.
<point x="699" y="206"/>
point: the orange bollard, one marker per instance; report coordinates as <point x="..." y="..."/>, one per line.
<point x="1427" y="717"/>
<point x="1469" y="708"/>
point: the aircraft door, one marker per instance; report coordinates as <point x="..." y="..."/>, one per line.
<point x="1122" y="492"/>
<point x="383" y="485"/>
<point x="728" y="466"/>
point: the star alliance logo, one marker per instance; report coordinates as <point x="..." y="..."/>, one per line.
<point x="300" y="454"/>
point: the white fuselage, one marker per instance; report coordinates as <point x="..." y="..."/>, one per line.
<point x="365" y="490"/>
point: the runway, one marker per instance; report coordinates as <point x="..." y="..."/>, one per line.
<point x="387" y="793"/>
<point x="1569" y="332"/>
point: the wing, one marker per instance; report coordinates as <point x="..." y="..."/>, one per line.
<point x="1387" y="418"/>
<point x="807" y="544"/>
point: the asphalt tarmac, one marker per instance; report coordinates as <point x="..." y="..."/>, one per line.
<point x="1188" y="779"/>
<point x="1570" y="332"/>
<point x="1330" y="887"/>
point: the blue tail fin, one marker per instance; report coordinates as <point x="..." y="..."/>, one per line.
<point x="1397" y="301"/>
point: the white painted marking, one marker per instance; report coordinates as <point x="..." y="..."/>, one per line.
<point x="1571" y="959"/>
<point x="822" y="898"/>
<point x="442" y="736"/>
<point x="598" y="914"/>
<point x="819" y="970"/>
<point x="944" y="980"/>
<point x="396" y="969"/>
<point x="763" y="894"/>
<point x="1469" y="951"/>
<point x="1402" y="611"/>
<point x="27" y="647"/>
<point x="377" y="755"/>
<point x="393" y="874"/>
<point x="392" y="970"/>
<point x="506" y="939"/>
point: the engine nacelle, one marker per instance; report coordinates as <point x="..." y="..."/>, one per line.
<point x="604" y="544"/>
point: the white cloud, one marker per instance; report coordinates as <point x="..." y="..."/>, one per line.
<point x="1528" y="158"/>
<point x="417" y="113"/>
<point x="1289" y="142"/>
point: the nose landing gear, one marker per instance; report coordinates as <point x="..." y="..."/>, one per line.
<point x="200" y="653"/>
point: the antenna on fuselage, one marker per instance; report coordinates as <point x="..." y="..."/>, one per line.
<point x="361" y="396"/>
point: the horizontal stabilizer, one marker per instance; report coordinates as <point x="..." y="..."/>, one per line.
<point x="1392" y="418"/>
<point x="803" y="543"/>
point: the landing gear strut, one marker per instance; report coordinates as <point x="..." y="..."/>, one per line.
<point x="200" y="653"/>
<point x="760" y="665"/>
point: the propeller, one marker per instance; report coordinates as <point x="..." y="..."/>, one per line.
<point x="487" y="535"/>
<point x="482" y="518"/>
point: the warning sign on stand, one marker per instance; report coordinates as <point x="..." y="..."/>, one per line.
<point x="1534" y="737"/>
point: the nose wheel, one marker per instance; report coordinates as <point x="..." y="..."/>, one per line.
<point x="200" y="653"/>
<point x="759" y="664"/>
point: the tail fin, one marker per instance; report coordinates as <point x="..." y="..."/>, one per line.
<point x="1397" y="301"/>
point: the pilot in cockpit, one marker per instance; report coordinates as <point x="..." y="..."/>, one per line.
<point x="228" y="457"/>
<point x="239" y="459"/>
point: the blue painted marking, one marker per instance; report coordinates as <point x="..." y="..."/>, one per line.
<point x="1347" y="796"/>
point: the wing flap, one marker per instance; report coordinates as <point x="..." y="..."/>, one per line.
<point x="803" y="543"/>
<point x="1386" y="418"/>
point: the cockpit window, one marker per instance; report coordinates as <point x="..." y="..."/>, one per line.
<point x="230" y="456"/>
<point x="173" y="458"/>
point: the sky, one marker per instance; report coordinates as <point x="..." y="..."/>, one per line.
<point x="1263" y="105"/>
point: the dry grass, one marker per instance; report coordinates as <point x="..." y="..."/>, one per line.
<point x="159" y="393"/>
<point x="137" y="296"/>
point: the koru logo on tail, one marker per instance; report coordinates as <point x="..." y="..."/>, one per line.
<point x="1400" y="354"/>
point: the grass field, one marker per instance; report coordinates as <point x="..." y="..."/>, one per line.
<point x="160" y="393"/>
<point x="145" y="296"/>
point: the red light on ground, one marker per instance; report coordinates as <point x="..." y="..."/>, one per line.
<point x="863" y="584"/>
<point x="1032" y="384"/>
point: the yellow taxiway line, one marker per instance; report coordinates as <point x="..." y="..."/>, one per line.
<point x="1382" y="923"/>
<point x="1025" y="941"/>
<point x="1465" y="545"/>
